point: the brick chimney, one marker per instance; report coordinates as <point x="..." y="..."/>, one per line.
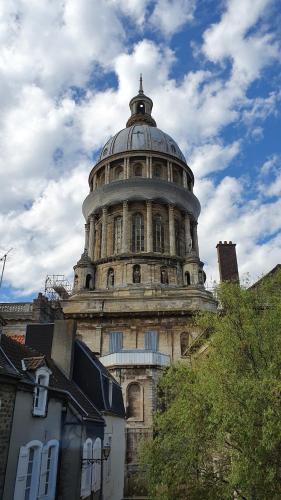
<point x="227" y="260"/>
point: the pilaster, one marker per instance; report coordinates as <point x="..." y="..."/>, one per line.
<point x="172" y="230"/>
<point x="91" y="245"/>
<point x="149" y="237"/>
<point x="104" y="232"/>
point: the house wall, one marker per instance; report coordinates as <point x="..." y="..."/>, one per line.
<point x="7" y="402"/>
<point x="75" y="434"/>
<point x="113" y="468"/>
<point x="27" y="428"/>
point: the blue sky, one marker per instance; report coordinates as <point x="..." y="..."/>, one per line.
<point x="68" y="70"/>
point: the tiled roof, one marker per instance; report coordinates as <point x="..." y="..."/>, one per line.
<point x="34" y="362"/>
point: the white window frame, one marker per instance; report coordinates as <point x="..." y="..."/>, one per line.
<point x="22" y="470"/>
<point x="86" y="472"/>
<point x="41" y="391"/>
<point x="48" y="472"/>
<point x="96" y="468"/>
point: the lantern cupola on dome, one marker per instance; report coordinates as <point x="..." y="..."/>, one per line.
<point x="141" y="107"/>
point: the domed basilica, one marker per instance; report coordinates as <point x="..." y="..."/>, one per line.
<point x="140" y="277"/>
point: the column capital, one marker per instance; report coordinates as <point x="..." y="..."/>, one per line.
<point x="149" y="203"/>
<point x="104" y="210"/>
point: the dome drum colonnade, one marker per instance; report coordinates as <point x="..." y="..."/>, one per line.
<point x="141" y="206"/>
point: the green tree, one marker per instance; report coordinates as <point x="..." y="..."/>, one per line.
<point x="218" y="429"/>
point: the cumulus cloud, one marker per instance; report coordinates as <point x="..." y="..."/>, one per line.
<point x="213" y="157"/>
<point x="233" y="38"/>
<point x="169" y="16"/>
<point x="54" y="118"/>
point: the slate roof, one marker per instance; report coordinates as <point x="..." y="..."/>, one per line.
<point x="12" y="353"/>
<point x="90" y="374"/>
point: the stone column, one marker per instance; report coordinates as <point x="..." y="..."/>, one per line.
<point x="149" y="237"/>
<point x="125" y="235"/>
<point x="91" y="245"/>
<point x="195" y="236"/>
<point x="147" y="167"/>
<point x="172" y="230"/>
<point x="171" y="173"/>
<point x="150" y="167"/>
<point x="104" y="233"/>
<point x="184" y="179"/>
<point x="87" y="231"/>
<point x="94" y="182"/>
<point x="188" y="239"/>
<point x="125" y="175"/>
<point x="107" y="167"/>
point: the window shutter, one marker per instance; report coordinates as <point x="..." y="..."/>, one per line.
<point x="43" y="471"/>
<point x="96" y="472"/>
<point x="85" y="484"/>
<point x="151" y="341"/>
<point x="21" y="473"/>
<point x="52" y="479"/>
<point x="115" y="341"/>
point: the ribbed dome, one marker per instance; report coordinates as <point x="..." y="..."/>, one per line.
<point x="138" y="137"/>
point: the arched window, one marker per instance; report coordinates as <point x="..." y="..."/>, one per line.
<point x="164" y="276"/>
<point x="138" y="170"/>
<point x="118" y="224"/>
<point x="201" y="277"/>
<point x="75" y="284"/>
<point x="41" y="391"/>
<point x="136" y="274"/>
<point x="141" y="108"/>
<point x="110" y="278"/>
<point x="88" y="283"/>
<point x="96" y="467"/>
<point x="86" y="476"/>
<point x="28" y="471"/>
<point x="101" y="178"/>
<point x="157" y="170"/>
<point x="137" y="233"/>
<point x="118" y="173"/>
<point x="134" y="401"/>
<point x="177" y="176"/>
<point x="158" y="234"/>
<point x="48" y="473"/>
<point x="187" y="279"/>
<point x="177" y="236"/>
<point x="173" y="149"/>
<point x="184" y="341"/>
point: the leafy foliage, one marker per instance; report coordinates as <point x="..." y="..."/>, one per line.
<point x="218" y="430"/>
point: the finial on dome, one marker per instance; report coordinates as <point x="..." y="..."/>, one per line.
<point x="141" y="88"/>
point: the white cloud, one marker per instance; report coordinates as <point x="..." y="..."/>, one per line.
<point x="232" y="38"/>
<point x="213" y="157"/>
<point x="169" y="16"/>
<point x="47" y="136"/>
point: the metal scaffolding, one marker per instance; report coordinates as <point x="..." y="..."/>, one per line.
<point x="57" y="287"/>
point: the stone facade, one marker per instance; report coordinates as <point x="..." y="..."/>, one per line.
<point x="7" y="403"/>
<point x="140" y="278"/>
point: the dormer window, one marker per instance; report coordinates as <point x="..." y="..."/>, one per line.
<point x="41" y="391"/>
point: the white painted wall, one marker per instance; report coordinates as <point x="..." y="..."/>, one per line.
<point x="113" y="468"/>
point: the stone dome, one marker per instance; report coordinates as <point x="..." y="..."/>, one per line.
<point x="141" y="136"/>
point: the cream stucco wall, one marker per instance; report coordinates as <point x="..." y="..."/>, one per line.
<point x="113" y="469"/>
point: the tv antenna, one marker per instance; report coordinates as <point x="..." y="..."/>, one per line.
<point x="3" y="259"/>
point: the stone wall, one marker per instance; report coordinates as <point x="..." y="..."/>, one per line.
<point x="7" y="402"/>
